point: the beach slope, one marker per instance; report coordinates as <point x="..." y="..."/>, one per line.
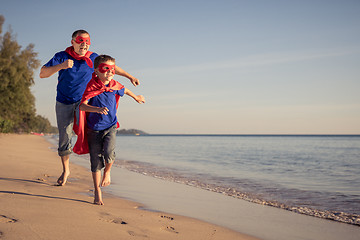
<point x="32" y="207"/>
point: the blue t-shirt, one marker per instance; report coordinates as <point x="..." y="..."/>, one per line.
<point x="97" y="121"/>
<point x="72" y="81"/>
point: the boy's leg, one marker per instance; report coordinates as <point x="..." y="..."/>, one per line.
<point x="97" y="162"/>
<point x="95" y="149"/>
<point x="106" y="178"/>
<point x="97" y="194"/>
<point x="109" y="141"/>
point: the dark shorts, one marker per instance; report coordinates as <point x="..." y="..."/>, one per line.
<point x="101" y="147"/>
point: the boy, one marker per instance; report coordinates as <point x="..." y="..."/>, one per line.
<point x="75" y="67"/>
<point x="100" y="101"/>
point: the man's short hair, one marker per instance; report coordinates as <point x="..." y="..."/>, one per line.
<point x="78" y="32"/>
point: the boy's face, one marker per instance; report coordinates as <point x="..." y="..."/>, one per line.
<point x="105" y="71"/>
<point x="81" y="43"/>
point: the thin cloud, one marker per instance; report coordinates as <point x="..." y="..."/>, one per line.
<point x="253" y="61"/>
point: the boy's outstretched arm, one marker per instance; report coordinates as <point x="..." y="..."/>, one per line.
<point x="121" y="72"/>
<point x="88" y="108"/>
<point x="49" y="71"/>
<point x="139" y="98"/>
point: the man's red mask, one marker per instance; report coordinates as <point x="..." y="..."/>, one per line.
<point x="103" y="68"/>
<point x="79" y="39"/>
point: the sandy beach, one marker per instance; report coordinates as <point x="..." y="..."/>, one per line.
<point x="32" y="207"/>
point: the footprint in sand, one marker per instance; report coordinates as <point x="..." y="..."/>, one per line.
<point x="44" y="178"/>
<point x="5" y="219"/>
<point x="108" y="218"/>
<point x="118" y="221"/>
<point x="132" y="233"/>
<point x="167" y="217"/>
<point x="171" y="229"/>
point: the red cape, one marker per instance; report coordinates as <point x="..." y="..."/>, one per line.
<point x="71" y="52"/>
<point x="94" y="88"/>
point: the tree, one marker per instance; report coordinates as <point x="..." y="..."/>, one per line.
<point x="17" y="103"/>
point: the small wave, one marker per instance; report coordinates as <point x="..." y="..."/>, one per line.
<point x="216" y="185"/>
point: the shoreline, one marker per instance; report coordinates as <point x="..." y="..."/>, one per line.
<point x="253" y="219"/>
<point x="140" y="184"/>
<point x="33" y="208"/>
<point x="315" y="176"/>
<point x="264" y="222"/>
<point x="337" y="216"/>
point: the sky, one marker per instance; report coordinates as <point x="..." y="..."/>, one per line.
<point x="211" y="66"/>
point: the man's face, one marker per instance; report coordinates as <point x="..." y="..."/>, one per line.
<point x="81" y="44"/>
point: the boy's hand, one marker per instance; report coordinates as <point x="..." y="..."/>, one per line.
<point x="140" y="99"/>
<point x="103" y="110"/>
<point x="67" y="64"/>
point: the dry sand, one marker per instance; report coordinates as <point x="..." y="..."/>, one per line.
<point x="32" y="207"/>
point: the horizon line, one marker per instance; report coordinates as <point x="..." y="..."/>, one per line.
<point x="242" y="134"/>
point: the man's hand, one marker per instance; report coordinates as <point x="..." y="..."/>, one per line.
<point x="135" y="81"/>
<point x="67" y="64"/>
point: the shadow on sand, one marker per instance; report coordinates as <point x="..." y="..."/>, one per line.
<point x="38" y="195"/>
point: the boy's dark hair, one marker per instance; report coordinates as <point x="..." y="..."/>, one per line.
<point x="101" y="59"/>
<point x="78" y="32"/>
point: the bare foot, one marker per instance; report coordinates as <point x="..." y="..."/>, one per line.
<point x="63" y="178"/>
<point x="98" y="198"/>
<point x="106" y="179"/>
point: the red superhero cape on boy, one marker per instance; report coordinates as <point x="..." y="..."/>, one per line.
<point x="94" y="88"/>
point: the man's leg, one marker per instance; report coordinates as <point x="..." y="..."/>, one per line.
<point x="65" y="121"/>
<point x="65" y="160"/>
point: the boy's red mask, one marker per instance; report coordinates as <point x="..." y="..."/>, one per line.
<point x="103" y="68"/>
<point x="79" y="39"/>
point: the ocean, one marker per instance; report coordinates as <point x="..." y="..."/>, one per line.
<point x="316" y="175"/>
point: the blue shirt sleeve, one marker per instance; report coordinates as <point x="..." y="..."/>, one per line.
<point x="58" y="58"/>
<point x="120" y="92"/>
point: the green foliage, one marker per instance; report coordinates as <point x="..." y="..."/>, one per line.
<point x="6" y="125"/>
<point x="17" y="103"/>
<point x="42" y="125"/>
